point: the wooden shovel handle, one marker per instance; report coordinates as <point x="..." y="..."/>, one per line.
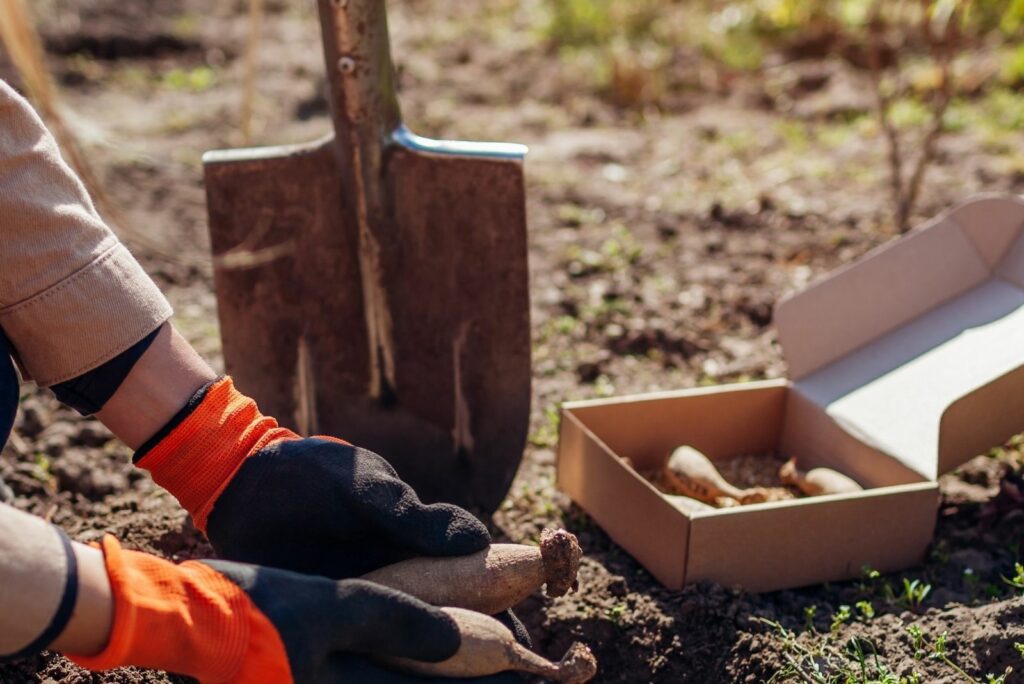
<point x="360" y="75"/>
<point x="365" y="111"/>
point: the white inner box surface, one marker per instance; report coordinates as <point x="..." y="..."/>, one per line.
<point x="892" y="393"/>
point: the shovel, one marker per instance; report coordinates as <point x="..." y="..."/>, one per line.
<point x="373" y="284"/>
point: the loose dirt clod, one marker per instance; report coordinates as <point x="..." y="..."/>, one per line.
<point x="492" y="580"/>
<point x="817" y="481"/>
<point x="560" y="554"/>
<point x="488" y="647"/>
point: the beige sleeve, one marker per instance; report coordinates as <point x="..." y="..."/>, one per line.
<point x="33" y="573"/>
<point x="71" y="295"/>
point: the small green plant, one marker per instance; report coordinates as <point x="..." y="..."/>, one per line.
<point x="42" y="471"/>
<point x="616" y="613"/>
<point x="809" y="612"/>
<point x="940" y="652"/>
<point x="821" y="660"/>
<point x="914" y="594"/>
<point x="917" y="639"/>
<point x="1020" y="648"/>
<point x="1017" y="581"/>
<point x="194" y="80"/>
<point x="869" y="575"/>
<point x="839" y="617"/>
<point x="546" y="435"/>
<point x="866" y="610"/>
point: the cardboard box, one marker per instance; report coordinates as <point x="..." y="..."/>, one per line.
<point x="903" y="365"/>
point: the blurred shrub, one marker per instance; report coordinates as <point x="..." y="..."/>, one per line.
<point x="613" y="43"/>
<point x="575" y="23"/>
<point x="643" y="53"/>
<point x="979" y="16"/>
<point x="750" y="27"/>
<point x="1013" y="68"/>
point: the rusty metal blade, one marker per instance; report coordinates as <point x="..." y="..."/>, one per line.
<point x="453" y="414"/>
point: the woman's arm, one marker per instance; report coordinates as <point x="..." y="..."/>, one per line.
<point x="213" y="620"/>
<point x="159" y="384"/>
<point x="71" y="295"/>
<point x="35" y="570"/>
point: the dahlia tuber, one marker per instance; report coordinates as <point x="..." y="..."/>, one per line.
<point x="492" y="580"/>
<point x="690" y="473"/>
<point x="817" y="481"/>
<point x="488" y="647"/>
<point x="687" y="504"/>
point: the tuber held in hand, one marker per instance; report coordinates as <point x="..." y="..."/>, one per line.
<point x="691" y="474"/>
<point x="488" y="647"/>
<point x="492" y="580"/>
<point x="817" y="481"/>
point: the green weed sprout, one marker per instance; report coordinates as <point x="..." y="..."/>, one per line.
<point x="914" y="593"/>
<point x="1017" y="581"/>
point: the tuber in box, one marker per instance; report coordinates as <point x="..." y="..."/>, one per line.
<point x="903" y="365"/>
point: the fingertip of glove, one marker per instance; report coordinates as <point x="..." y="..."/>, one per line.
<point x="430" y="635"/>
<point x="516" y="626"/>
<point x="398" y="624"/>
<point x="467" y="533"/>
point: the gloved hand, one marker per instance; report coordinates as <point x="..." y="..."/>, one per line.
<point x="219" y="621"/>
<point x="318" y="505"/>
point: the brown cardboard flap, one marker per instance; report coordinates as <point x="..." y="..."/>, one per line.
<point x="719" y="421"/>
<point x="967" y="426"/>
<point x="892" y="395"/>
<point x="888" y="344"/>
<point x="993" y="223"/>
<point x="815" y="439"/>
<point x="875" y="295"/>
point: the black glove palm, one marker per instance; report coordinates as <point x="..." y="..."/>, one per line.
<point x="321" y="507"/>
<point x="331" y="630"/>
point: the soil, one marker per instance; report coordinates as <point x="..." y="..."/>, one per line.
<point x="660" y="238"/>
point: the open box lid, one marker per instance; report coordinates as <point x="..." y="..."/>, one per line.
<point x="917" y="348"/>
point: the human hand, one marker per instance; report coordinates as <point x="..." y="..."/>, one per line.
<point x="221" y="621"/>
<point x="318" y="505"/>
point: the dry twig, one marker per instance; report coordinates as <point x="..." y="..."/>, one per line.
<point x="942" y="48"/>
<point x="252" y="48"/>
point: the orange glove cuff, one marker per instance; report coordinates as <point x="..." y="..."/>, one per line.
<point x="188" y="619"/>
<point x="196" y="460"/>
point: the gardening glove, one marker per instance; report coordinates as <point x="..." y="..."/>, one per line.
<point x="319" y="505"/>
<point x="220" y="621"/>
